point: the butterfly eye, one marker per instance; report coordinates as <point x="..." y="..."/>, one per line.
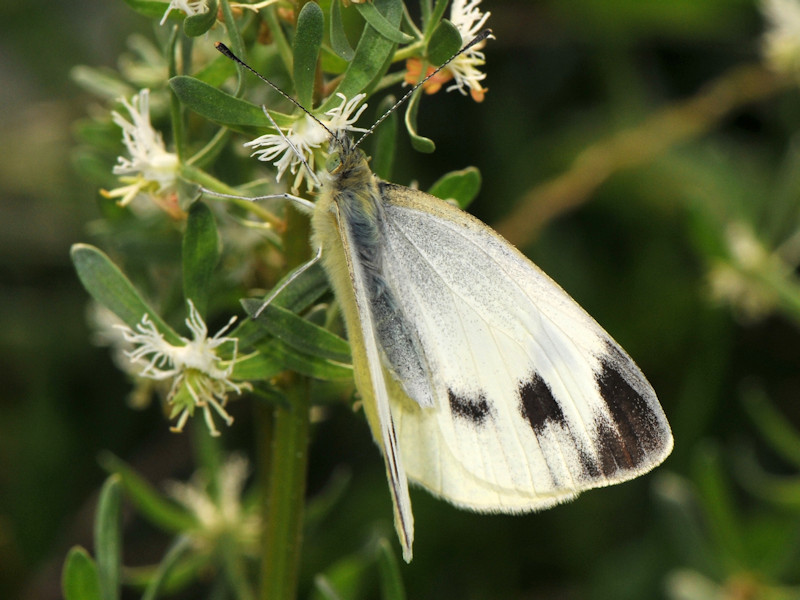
<point x="334" y="163"/>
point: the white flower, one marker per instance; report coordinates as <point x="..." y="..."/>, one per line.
<point x="469" y="20"/>
<point x="741" y="279"/>
<point x="190" y="7"/>
<point x="200" y="378"/>
<point x="305" y="137"/>
<point x="150" y="167"/>
<point x="781" y="45"/>
<point x="223" y="513"/>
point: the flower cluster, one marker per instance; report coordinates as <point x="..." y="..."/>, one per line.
<point x="190" y="7"/>
<point x="200" y="378"/>
<point x="150" y="168"/>
<point x="781" y="45"/>
<point x="297" y="146"/>
<point x="221" y="514"/>
<point x="463" y="69"/>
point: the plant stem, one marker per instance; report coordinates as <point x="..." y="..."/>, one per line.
<point x="288" y="458"/>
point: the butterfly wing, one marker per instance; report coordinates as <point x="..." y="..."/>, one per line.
<point x="533" y="400"/>
<point x="347" y="274"/>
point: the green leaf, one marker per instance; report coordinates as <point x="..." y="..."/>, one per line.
<point x="380" y="23"/>
<point x="151" y="8"/>
<point x="215" y="105"/>
<point x="346" y="578"/>
<point x="303" y="291"/>
<point x="299" y="333"/>
<point x="384" y="141"/>
<point x="79" y="580"/>
<point x="307" y="41"/>
<point x="109" y="286"/>
<point x="433" y="19"/>
<point x="462" y="186"/>
<point x="719" y="509"/>
<point x="339" y="41"/>
<point x="372" y="57"/>
<point x="444" y="43"/>
<point x="150" y="503"/>
<point x="196" y="25"/>
<point x="200" y="255"/>
<point x="419" y="143"/>
<point x="108" y="538"/>
<point x="258" y="366"/>
<point x="774" y="426"/>
<point x="179" y="548"/>
<point x="310" y="366"/>
<point x="217" y="71"/>
<point x="391" y="580"/>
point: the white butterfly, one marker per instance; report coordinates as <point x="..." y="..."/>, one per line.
<point x="481" y="379"/>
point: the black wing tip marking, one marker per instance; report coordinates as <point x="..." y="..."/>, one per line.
<point x="638" y="432"/>
<point x="635" y="438"/>
<point x="475" y="410"/>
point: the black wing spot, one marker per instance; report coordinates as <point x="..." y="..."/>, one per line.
<point x="538" y="405"/>
<point x="475" y="410"/>
<point x="637" y="427"/>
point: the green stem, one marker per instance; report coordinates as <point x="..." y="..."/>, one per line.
<point x="288" y="459"/>
<point x="285" y="502"/>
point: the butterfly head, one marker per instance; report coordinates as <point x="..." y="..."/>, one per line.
<point x="345" y="160"/>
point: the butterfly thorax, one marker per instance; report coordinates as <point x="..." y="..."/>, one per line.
<point x="352" y="213"/>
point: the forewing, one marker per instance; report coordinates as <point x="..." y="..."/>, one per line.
<point x="534" y="401"/>
<point x="338" y="247"/>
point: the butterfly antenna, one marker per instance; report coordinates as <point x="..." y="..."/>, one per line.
<point x="486" y="33"/>
<point x="227" y="52"/>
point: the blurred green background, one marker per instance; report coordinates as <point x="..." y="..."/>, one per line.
<point x="637" y="227"/>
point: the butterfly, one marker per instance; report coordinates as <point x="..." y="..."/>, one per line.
<point x="481" y="379"/>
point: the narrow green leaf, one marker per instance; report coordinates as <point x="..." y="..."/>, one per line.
<point x="307" y="41"/>
<point x="339" y="41"/>
<point x="684" y="524"/>
<point x="425" y="12"/>
<point x="775" y="427"/>
<point x="384" y="141"/>
<point x="188" y="570"/>
<point x="79" y="580"/>
<point x="420" y="143"/>
<point x="217" y="71"/>
<point x="152" y="8"/>
<point x="299" y="333"/>
<point x="215" y="105"/>
<point x="200" y="255"/>
<point x="258" y="366"/>
<point x="388" y="30"/>
<point x="109" y="286"/>
<point x="304" y="364"/>
<point x="322" y="504"/>
<point x="462" y="186"/>
<point x="108" y="538"/>
<point x="391" y="581"/>
<point x="177" y="550"/>
<point x="716" y="498"/>
<point x="303" y="291"/>
<point x="151" y="504"/>
<point x="372" y="56"/>
<point x="346" y="578"/>
<point x="196" y="25"/>
<point x="444" y="43"/>
<point x="323" y="589"/>
<point x="435" y="17"/>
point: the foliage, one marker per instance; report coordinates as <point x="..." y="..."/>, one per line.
<point x="644" y="154"/>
